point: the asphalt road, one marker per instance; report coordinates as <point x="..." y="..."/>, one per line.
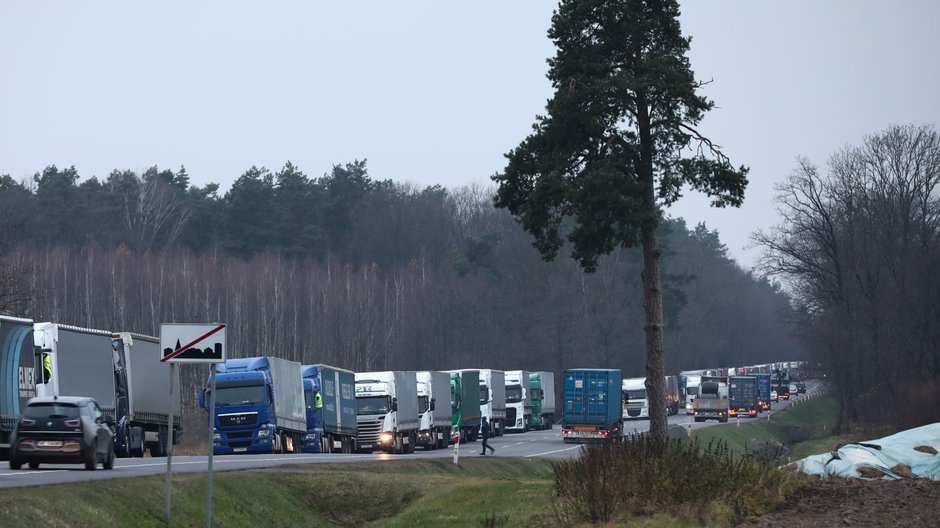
<point x="546" y="444"/>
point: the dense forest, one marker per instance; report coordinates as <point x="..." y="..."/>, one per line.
<point x="364" y="274"/>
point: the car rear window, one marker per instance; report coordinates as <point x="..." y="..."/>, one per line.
<point x="51" y="410"/>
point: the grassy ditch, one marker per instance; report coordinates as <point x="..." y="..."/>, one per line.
<point x="511" y="492"/>
<point x="802" y="430"/>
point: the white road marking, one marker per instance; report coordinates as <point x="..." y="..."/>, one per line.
<point x="552" y="452"/>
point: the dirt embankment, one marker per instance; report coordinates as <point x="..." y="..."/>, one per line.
<point x="858" y="503"/>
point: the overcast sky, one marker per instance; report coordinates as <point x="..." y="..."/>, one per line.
<point x="431" y="92"/>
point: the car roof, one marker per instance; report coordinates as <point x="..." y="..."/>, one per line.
<point x="73" y="400"/>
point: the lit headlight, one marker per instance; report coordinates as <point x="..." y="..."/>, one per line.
<point x="385" y="438"/>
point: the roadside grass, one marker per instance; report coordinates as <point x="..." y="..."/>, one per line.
<point x="797" y="432"/>
<point x="385" y="494"/>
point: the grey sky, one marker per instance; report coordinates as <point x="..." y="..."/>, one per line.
<point x="430" y="92"/>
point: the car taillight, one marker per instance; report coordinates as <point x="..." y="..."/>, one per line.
<point x="27" y="422"/>
<point x="77" y="422"/>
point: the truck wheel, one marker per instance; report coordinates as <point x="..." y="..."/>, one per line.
<point x="158" y="448"/>
<point x="397" y="445"/>
<point x="34" y="465"/>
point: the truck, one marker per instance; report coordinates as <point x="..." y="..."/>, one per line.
<point x="466" y="414"/>
<point x="259" y="406"/>
<point x="387" y="411"/>
<point x="743" y="395"/>
<point x="332" y="427"/>
<point x="493" y="399"/>
<point x="712" y="401"/>
<point x="593" y="407"/>
<point x="689" y="382"/>
<point x="18" y="375"/>
<point x="763" y="390"/>
<point x="672" y="395"/>
<point x="434" y="409"/>
<point x="518" y="401"/>
<point x="542" y="384"/>
<point x="635" y="402"/>
<point x="123" y="372"/>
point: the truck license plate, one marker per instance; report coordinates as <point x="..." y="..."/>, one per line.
<point x="50" y="443"/>
<point x="365" y="445"/>
<point x="240" y="449"/>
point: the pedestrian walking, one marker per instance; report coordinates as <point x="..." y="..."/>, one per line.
<point x="485" y="431"/>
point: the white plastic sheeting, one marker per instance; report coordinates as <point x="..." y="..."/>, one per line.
<point x="897" y="449"/>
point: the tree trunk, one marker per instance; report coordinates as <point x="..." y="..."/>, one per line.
<point x="653" y="305"/>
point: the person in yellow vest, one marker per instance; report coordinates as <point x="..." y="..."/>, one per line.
<point x="46" y="367"/>
<point x="317" y="401"/>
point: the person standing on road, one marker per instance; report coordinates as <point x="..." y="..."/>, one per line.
<point x="485" y="432"/>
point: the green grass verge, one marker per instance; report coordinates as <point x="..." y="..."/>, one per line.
<point x="805" y="429"/>
<point x="381" y="494"/>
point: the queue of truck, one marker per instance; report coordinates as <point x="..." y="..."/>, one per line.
<point x="271" y="405"/>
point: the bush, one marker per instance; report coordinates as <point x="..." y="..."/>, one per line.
<point x="639" y="476"/>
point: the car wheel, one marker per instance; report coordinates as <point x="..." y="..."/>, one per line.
<point x="91" y="458"/>
<point x="34" y="465"/>
<point x="15" y="464"/>
<point x="109" y="461"/>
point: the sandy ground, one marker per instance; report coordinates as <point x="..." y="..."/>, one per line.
<point x="857" y="502"/>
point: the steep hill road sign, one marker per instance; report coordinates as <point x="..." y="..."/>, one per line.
<point x="192" y="343"/>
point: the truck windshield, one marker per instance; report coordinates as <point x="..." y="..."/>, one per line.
<point x="513" y="393"/>
<point x="634" y="394"/>
<point x="692" y="391"/>
<point x="484" y="394"/>
<point x="372" y="405"/>
<point x="423" y="404"/>
<point x="239" y="395"/>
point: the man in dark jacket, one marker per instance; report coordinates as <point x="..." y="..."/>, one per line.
<point x="485" y="431"/>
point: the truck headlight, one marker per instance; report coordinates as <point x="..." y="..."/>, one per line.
<point x="263" y="433"/>
<point x="385" y="438"/>
<point x="216" y="435"/>
<point x="311" y="438"/>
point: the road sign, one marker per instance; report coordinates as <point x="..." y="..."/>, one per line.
<point x="192" y="343"/>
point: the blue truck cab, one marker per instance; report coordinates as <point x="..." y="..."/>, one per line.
<point x="331" y="427"/>
<point x="313" y="438"/>
<point x="258" y="406"/>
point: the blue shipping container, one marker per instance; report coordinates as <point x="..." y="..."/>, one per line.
<point x="592" y="397"/>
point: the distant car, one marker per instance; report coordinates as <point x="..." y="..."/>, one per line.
<point x="800" y="388"/>
<point x="783" y="392"/>
<point x="773" y="395"/>
<point x="62" y="430"/>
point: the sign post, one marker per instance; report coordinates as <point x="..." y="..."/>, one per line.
<point x="169" y="447"/>
<point x="193" y="343"/>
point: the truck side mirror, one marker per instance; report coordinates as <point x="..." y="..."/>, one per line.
<point x="202" y="398"/>
<point x="395" y="404"/>
<point x="431" y="406"/>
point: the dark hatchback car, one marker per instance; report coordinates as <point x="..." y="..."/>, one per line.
<point x="62" y="430"/>
<point x="800" y="388"/>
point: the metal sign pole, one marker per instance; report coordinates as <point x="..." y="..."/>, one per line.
<point x="211" y="449"/>
<point x="169" y="447"/>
